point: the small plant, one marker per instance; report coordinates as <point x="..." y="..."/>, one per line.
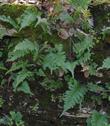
<point x="97" y="119"/>
<point x="14" y="118"/>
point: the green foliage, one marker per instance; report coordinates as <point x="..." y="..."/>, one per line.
<point x="2" y="32"/>
<point x="81" y="3"/>
<point x="95" y="88"/>
<point x="27" y="18"/>
<point x="9" y="20"/>
<point x="19" y="82"/>
<point x="15" y="118"/>
<point x="17" y="65"/>
<point x="97" y="119"/>
<point x="22" y="49"/>
<point x="43" y="23"/>
<point x="74" y="95"/>
<point x="46" y="49"/>
<point x="83" y="49"/>
<point x="55" y="58"/>
<point x="106" y="63"/>
<point x="24" y="87"/>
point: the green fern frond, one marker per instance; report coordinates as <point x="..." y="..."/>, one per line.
<point x="23" y="48"/>
<point x="24" y="87"/>
<point x="55" y="58"/>
<point x="26" y="45"/>
<point x="106" y="64"/>
<point x="81" y="3"/>
<point x="74" y="95"/>
<point x="21" y="76"/>
<point x="97" y="119"/>
<point x="83" y="49"/>
<point x="17" y="54"/>
<point x="9" y="20"/>
<point x="94" y="87"/>
<point x="16" y="66"/>
<point x="43" y="23"/>
<point x="27" y="18"/>
<point x="83" y="45"/>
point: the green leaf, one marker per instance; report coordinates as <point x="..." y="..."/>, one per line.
<point x="2" y="32"/>
<point x="24" y="87"/>
<point x="74" y="95"/>
<point x="97" y="119"/>
<point x="27" y="18"/>
<point x="95" y="88"/>
<point x="23" y="48"/>
<point x="16" y="116"/>
<point x="43" y="23"/>
<point x="55" y="58"/>
<point x="106" y="63"/>
<point x="17" y="65"/>
<point x="83" y="49"/>
<point x="2" y="67"/>
<point x="26" y="45"/>
<point x="64" y="16"/>
<point x="70" y="66"/>
<point x="21" y="76"/>
<point x="81" y="3"/>
<point x="9" y="20"/>
<point x="83" y="45"/>
<point x="17" y="54"/>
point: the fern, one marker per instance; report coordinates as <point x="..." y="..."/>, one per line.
<point x="21" y="76"/>
<point x="25" y="45"/>
<point x="2" y="32"/>
<point x="83" y="49"/>
<point x="18" y="65"/>
<point x="16" y="55"/>
<point x="27" y="18"/>
<point x="97" y="119"/>
<point x="55" y="58"/>
<point x="43" y="23"/>
<point x="106" y="64"/>
<point x="81" y="3"/>
<point x="24" y="87"/>
<point x="22" y="49"/>
<point x="74" y="95"/>
<point x="9" y="20"/>
<point x="85" y="44"/>
<point x="95" y="88"/>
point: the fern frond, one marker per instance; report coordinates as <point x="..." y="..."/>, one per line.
<point x="74" y="95"/>
<point x="17" y="54"/>
<point x="26" y="45"/>
<point x="83" y="49"/>
<point x="85" y="44"/>
<point x="23" y="48"/>
<point x="24" y="87"/>
<point x="81" y="3"/>
<point x="94" y="87"/>
<point x="106" y="63"/>
<point x="27" y="18"/>
<point x="16" y="66"/>
<point x="55" y="58"/>
<point x="9" y="20"/>
<point x="97" y="119"/>
<point x="21" y="76"/>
